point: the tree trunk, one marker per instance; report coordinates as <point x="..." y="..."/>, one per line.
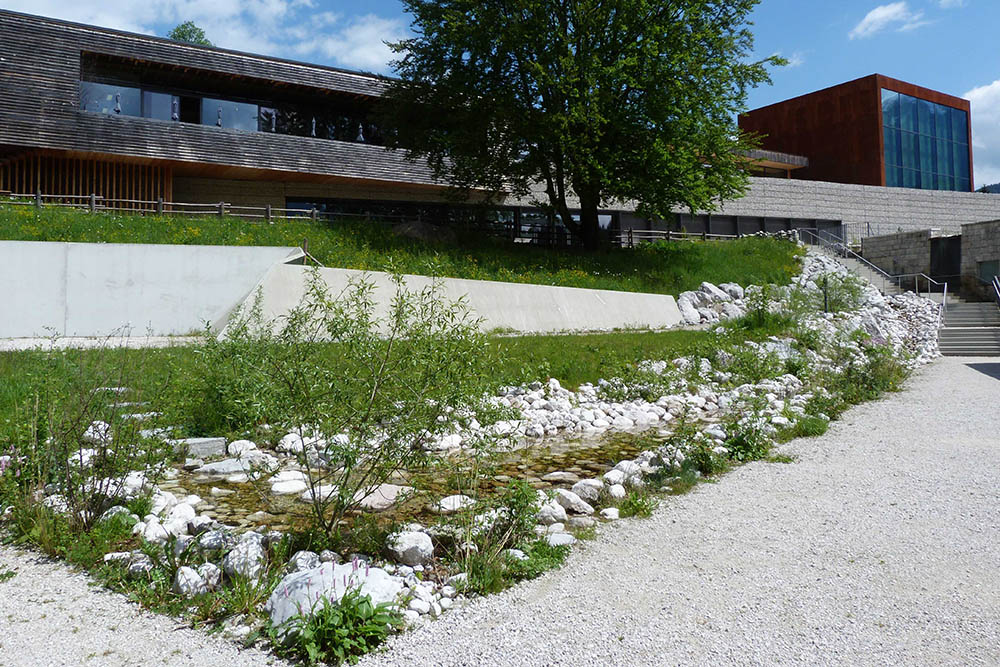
<point x="590" y="227"/>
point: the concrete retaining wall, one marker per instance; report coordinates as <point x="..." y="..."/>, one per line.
<point x="94" y="289"/>
<point x="513" y="306"/>
<point x="907" y="252"/>
<point x="980" y="243"/>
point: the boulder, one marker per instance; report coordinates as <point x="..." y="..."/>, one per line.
<point x="551" y="512"/>
<point x="452" y="504"/>
<point x="411" y="548"/>
<point x="246" y="559"/>
<point x="588" y="489"/>
<point x="733" y="290"/>
<point x="238" y="448"/>
<point x="200" y="447"/>
<point x="714" y="293"/>
<point x="210" y="574"/>
<point x="560" y="539"/>
<point x="304" y="560"/>
<point x="572" y="502"/>
<point x="188" y="582"/>
<point x="561" y="476"/>
<point x="308" y="590"/>
<point x="382" y="498"/>
<point x="610" y="514"/>
<point x="688" y="310"/>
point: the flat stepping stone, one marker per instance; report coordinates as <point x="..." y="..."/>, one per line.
<point x="382" y="498"/>
<point x="452" y="504"/>
<point x="561" y="476"/>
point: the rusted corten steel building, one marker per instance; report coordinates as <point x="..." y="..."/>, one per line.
<point x="873" y="131"/>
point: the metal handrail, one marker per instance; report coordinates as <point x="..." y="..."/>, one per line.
<point x="837" y="245"/>
<point x="996" y="289"/>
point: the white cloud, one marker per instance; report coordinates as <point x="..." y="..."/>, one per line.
<point x="291" y="28"/>
<point x="894" y="15"/>
<point x="360" y="44"/>
<point x="985" y="132"/>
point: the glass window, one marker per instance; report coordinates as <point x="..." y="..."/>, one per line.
<point x="942" y="122"/>
<point x="892" y="147"/>
<point x="926" y="154"/>
<point x="893" y="176"/>
<point x="959" y="126"/>
<point x="945" y="182"/>
<point x="911" y="178"/>
<point x="160" y="106"/>
<point x="925" y="117"/>
<point x="944" y="162"/>
<point x="890" y="108"/>
<point x="908" y="113"/>
<point x="230" y="115"/>
<point x="908" y="150"/>
<point x="110" y="99"/>
<point x="963" y="185"/>
<point x="960" y="159"/>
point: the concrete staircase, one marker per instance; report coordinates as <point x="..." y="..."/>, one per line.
<point x="970" y="329"/>
<point x="858" y="268"/>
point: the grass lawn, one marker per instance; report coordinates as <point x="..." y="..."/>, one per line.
<point x="572" y="359"/>
<point x="664" y="268"/>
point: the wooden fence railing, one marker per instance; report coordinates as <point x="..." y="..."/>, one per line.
<point x="630" y="237"/>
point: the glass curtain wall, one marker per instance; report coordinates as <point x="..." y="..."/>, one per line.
<point x="926" y="144"/>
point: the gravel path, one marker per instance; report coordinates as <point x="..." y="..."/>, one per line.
<point x="881" y="544"/>
<point x="52" y="615"/>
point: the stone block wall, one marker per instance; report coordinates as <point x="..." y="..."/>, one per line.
<point x="980" y="243"/>
<point x="907" y="252"/>
<point x="865" y="209"/>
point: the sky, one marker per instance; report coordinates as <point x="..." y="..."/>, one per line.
<point x="946" y="45"/>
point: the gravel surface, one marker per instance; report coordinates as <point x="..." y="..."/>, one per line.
<point x="878" y="545"/>
<point x="53" y="615"/>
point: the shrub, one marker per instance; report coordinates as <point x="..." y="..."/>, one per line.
<point x="638" y="503"/>
<point x="362" y="394"/>
<point x="338" y="632"/>
<point x="73" y="430"/>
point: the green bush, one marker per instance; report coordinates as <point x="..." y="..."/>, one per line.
<point x="364" y="393"/>
<point x="338" y="632"/>
<point x="638" y="503"/>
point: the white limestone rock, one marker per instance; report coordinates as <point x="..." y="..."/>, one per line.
<point x="551" y="512"/>
<point x="588" y="489"/>
<point x="411" y="548"/>
<point x="452" y="504"/>
<point x="309" y="589"/>
<point x="246" y="559"/>
<point x="572" y="502"/>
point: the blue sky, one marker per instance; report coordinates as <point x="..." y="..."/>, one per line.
<point x="947" y="45"/>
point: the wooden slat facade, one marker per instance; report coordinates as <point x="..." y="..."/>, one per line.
<point x="60" y="175"/>
<point x="39" y="106"/>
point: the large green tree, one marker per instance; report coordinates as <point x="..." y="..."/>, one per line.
<point x="190" y="33"/>
<point x="605" y="100"/>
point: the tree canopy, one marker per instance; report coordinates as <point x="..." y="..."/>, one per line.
<point x="598" y="101"/>
<point x="190" y="33"/>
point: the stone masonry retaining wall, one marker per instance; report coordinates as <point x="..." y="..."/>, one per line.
<point x="909" y="252"/>
<point x="980" y="243"/>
